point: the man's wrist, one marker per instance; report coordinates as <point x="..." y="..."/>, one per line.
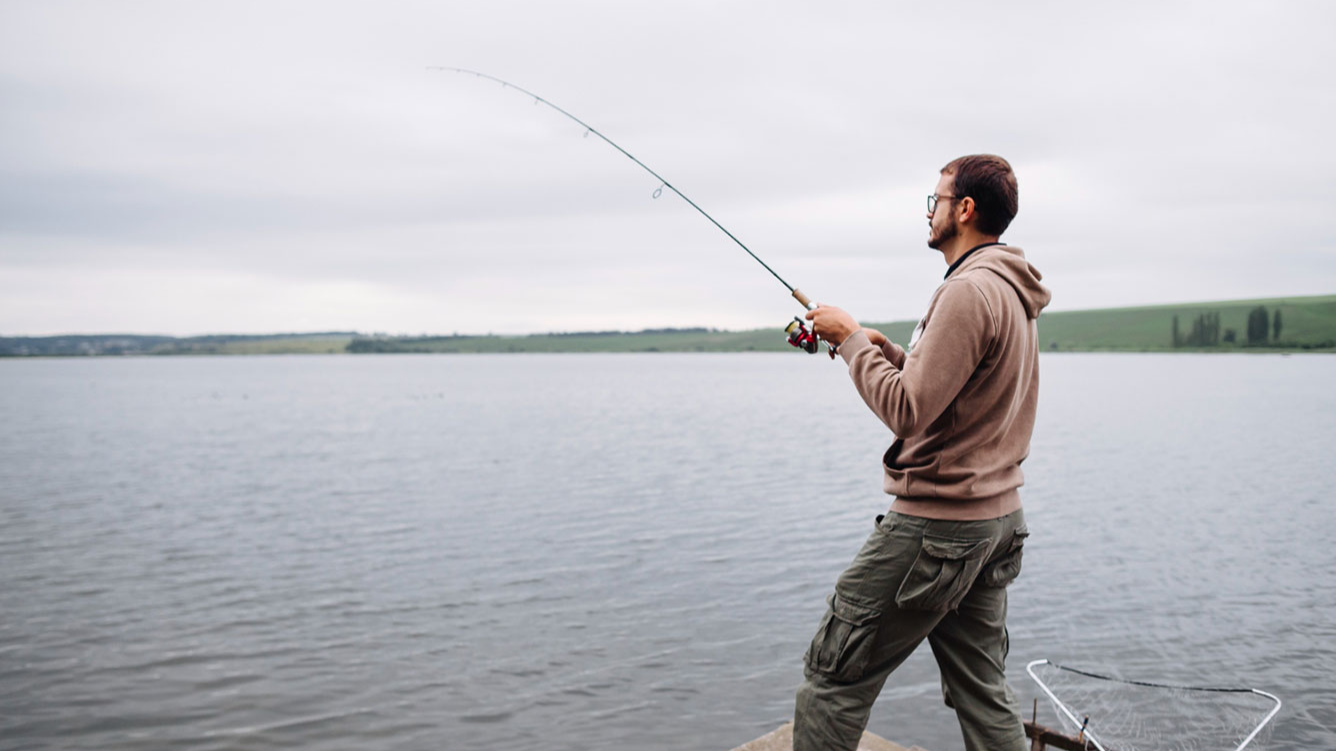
<point x="853" y="343"/>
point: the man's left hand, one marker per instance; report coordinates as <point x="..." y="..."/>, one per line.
<point x="832" y="324"/>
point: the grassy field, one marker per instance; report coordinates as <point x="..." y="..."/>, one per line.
<point x="1307" y="323"/>
<point x="312" y="344"/>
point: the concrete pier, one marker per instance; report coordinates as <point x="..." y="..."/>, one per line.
<point x="782" y="740"/>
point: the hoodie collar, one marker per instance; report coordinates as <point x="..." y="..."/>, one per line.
<point x="968" y="253"/>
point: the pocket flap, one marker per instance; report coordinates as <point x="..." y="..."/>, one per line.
<point x="948" y="549"/>
<point x="851" y="612"/>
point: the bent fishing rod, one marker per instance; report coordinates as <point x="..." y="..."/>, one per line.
<point x="796" y="332"/>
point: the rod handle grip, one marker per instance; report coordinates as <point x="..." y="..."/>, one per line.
<point x="804" y="300"/>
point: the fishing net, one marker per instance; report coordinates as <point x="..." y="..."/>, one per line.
<point x="1125" y="715"/>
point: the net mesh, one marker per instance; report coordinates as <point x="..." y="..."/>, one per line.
<point x="1129" y="715"/>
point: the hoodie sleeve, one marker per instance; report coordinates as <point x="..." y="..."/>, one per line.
<point x="908" y="397"/>
<point x="894" y="353"/>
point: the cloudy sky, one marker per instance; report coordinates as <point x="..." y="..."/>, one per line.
<point x="196" y="167"/>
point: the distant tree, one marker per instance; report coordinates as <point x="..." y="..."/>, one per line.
<point x="1258" y="325"/>
<point x="1275" y="326"/>
<point x="1205" y="331"/>
<point x="1230" y="335"/>
<point x="1178" y="338"/>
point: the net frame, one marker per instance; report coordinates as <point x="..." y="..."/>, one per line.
<point x="1094" y="739"/>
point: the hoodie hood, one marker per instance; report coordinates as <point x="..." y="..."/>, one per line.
<point x="1010" y="264"/>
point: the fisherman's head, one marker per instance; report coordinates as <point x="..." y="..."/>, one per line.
<point x="976" y="195"/>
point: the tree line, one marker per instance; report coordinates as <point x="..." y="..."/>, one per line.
<point x="1206" y="332"/>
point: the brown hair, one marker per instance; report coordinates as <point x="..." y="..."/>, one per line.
<point x="987" y="179"/>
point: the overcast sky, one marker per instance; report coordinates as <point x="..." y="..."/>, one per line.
<point x="190" y="167"/>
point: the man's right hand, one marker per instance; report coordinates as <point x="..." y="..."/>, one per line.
<point x="876" y="337"/>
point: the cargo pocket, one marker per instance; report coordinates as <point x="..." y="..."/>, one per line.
<point x="942" y="573"/>
<point x="843" y="643"/>
<point x="1005" y="569"/>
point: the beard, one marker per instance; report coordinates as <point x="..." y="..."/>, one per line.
<point x="936" y="238"/>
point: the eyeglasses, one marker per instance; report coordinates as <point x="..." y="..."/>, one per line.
<point x="932" y="202"/>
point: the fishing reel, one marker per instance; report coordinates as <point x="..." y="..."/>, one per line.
<point x="802" y="337"/>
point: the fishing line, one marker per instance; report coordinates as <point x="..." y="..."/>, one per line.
<point x="797" y="294"/>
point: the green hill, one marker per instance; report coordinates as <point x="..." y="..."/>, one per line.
<point x="1307" y="323"/>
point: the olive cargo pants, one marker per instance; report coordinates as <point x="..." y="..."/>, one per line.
<point x="913" y="579"/>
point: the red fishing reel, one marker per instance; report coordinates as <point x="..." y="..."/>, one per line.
<point x="801" y="337"/>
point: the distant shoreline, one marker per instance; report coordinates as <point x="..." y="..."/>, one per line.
<point x="1306" y="324"/>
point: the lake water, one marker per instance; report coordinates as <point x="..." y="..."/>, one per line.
<point x="608" y="552"/>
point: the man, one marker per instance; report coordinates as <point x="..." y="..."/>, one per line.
<point x="961" y="404"/>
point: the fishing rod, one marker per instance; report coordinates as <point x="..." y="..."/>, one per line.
<point x="796" y="332"/>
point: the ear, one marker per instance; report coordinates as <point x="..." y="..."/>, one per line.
<point x="967" y="212"/>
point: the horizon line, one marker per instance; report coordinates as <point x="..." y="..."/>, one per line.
<point x="606" y="332"/>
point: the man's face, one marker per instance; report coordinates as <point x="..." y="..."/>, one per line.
<point x="942" y="225"/>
